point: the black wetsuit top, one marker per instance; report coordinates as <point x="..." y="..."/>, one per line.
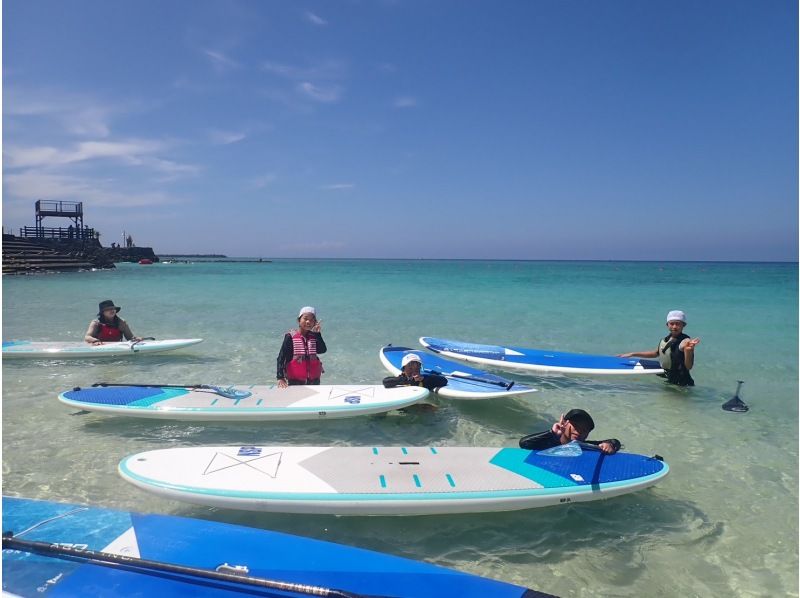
<point x="548" y="439"/>
<point x="429" y="381"/>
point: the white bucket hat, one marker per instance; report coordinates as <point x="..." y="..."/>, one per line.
<point x="307" y="310"/>
<point x="411" y="357"/>
<point x="676" y="315"/>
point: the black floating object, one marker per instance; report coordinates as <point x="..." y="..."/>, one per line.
<point x="736" y="404"/>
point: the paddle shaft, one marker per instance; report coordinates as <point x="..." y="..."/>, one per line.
<point x="109" y="560"/>
<point x="506" y="385"/>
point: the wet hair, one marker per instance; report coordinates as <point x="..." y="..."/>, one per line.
<point x="580" y="419"/>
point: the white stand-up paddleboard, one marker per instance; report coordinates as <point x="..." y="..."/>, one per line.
<point x="463" y="382"/>
<point x="63" y="350"/>
<point x="206" y="402"/>
<point x="388" y="480"/>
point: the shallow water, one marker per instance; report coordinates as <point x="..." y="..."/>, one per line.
<point x="724" y="522"/>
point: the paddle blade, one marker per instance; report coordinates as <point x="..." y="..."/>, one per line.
<point x="736" y="405"/>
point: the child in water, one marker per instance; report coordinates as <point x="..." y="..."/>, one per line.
<point x="298" y="361"/>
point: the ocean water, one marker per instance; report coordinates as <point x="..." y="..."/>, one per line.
<point x="724" y="523"/>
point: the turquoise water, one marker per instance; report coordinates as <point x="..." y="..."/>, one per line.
<point x="723" y="523"/>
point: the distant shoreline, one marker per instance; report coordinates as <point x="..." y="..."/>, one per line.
<point x="214" y="255"/>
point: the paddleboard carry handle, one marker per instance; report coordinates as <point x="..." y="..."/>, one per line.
<point x="108" y="559"/>
<point x="146" y="338"/>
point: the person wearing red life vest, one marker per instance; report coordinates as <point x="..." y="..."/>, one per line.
<point x="298" y="361"/>
<point x="108" y="327"/>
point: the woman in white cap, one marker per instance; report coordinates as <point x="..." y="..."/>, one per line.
<point x="298" y="361"/>
<point x="675" y="351"/>
<point x="411" y="375"/>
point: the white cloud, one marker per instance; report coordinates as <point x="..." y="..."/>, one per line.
<point x="338" y="186"/>
<point x="126" y="151"/>
<point x="75" y="113"/>
<point x="320" y="94"/>
<point x="226" y="137"/>
<point x="328" y="70"/>
<point x="315" y="19"/>
<point x="220" y="62"/>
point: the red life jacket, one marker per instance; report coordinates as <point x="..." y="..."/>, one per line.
<point x="109" y="334"/>
<point x="304" y="365"/>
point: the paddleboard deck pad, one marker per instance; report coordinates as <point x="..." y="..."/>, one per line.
<point x="242" y="403"/>
<point x="206" y="545"/>
<point x="535" y="360"/>
<point x="388" y="480"/>
<point x="65" y="350"/>
<point x="463" y="382"/>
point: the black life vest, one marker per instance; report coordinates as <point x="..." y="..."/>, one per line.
<point x="672" y="359"/>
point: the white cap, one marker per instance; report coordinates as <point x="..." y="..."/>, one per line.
<point x="676" y="315"/>
<point x="307" y="310"/>
<point x="411" y="357"/>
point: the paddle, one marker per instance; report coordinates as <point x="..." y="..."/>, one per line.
<point x="506" y="385"/>
<point x="107" y="559"/>
<point x="736" y="404"/>
<point x="228" y="393"/>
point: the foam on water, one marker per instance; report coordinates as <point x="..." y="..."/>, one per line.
<point x="724" y="522"/>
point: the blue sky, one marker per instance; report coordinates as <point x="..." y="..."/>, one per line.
<point x="410" y="129"/>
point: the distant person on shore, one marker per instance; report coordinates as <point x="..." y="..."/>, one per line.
<point x="108" y="327"/>
<point x="298" y="361"/>
<point x="675" y="352"/>
<point x="574" y="425"/>
<point x="411" y="375"/>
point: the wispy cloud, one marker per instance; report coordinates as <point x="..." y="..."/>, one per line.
<point x="317" y="93"/>
<point x="327" y="70"/>
<point x="405" y="102"/>
<point x="76" y="114"/>
<point x="338" y="186"/>
<point x="23" y="187"/>
<point x="226" y="137"/>
<point x="263" y="180"/>
<point x="314" y="19"/>
<point x="220" y="62"/>
<point x="130" y="151"/>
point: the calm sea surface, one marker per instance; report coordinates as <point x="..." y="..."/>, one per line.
<point x="723" y="523"/>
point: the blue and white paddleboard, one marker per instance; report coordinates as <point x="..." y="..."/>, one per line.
<point x="66" y="350"/>
<point x="463" y="382"/>
<point x="242" y="403"/>
<point x="207" y="551"/>
<point x="388" y="480"/>
<point x="535" y="360"/>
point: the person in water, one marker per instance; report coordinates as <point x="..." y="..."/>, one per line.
<point x="411" y="375"/>
<point x="675" y="352"/>
<point x="298" y="361"/>
<point x="574" y="425"/>
<point x="108" y="327"/>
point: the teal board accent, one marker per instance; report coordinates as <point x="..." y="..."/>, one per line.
<point x="417" y="483"/>
<point x="405" y="450"/>
<point x="513" y="459"/>
<point x="383" y="481"/>
<point x="166" y="393"/>
<point x="374" y="451"/>
<point x="433" y="450"/>
<point x="450" y="480"/>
